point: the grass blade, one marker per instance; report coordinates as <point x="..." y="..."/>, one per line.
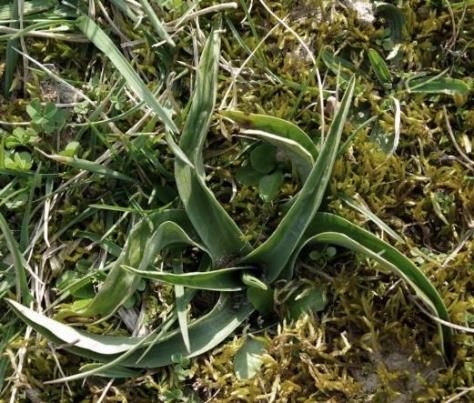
<point x="19" y="262"/>
<point x="100" y="39"/>
<point x="11" y="56"/>
<point x="155" y="22"/>
<point x="370" y="215"/>
<point x="89" y="166"/>
<point x="217" y="230"/>
<point x="276" y="251"/>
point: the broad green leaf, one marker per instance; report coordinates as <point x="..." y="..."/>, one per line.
<point x="275" y="252"/>
<point x="248" y="359"/>
<point x="329" y="228"/>
<point x="273" y="125"/>
<point x="309" y="300"/>
<point x="263" y="158"/>
<point x="147" y="237"/>
<point x="19" y="262"/>
<point x="299" y="156"/>
<point x="224" y="318"/>
<point x="215" y="227"/>
<point x="269" y="186"/>
<point x="224" y="280"/>
<point x="438" y="85"/>
<point x="380" y="68"/>
<point x="248" y="176"/>
<point x="100" y="39"/>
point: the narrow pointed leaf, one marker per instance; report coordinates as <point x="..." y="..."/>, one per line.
<point x="223" y="320"/>
<point x="90" y="166"/>
<point x="215" y="227"/>
<point x="329" y="228"/>
<point x="100" y="39"/>
<point x="276" y="251"/>
<point x="228" y="279"/>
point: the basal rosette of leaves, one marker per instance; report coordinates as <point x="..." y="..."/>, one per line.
<point x="244" y="277"/>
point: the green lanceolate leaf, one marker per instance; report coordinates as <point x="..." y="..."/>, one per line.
<point x="224" y="280"/>
<point x="100" y="39"/>
<point x="223" y="320"/>
<point x="439" y="85"/>
<point x="217" y="230"/>
<point x="19" y="262"/>
<point x="329" y="228"/>
<point x="275" y="252"/>
<point x="148" y="237"/>
<point x="380" y="68"/>
<point x="276" y="126"/>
